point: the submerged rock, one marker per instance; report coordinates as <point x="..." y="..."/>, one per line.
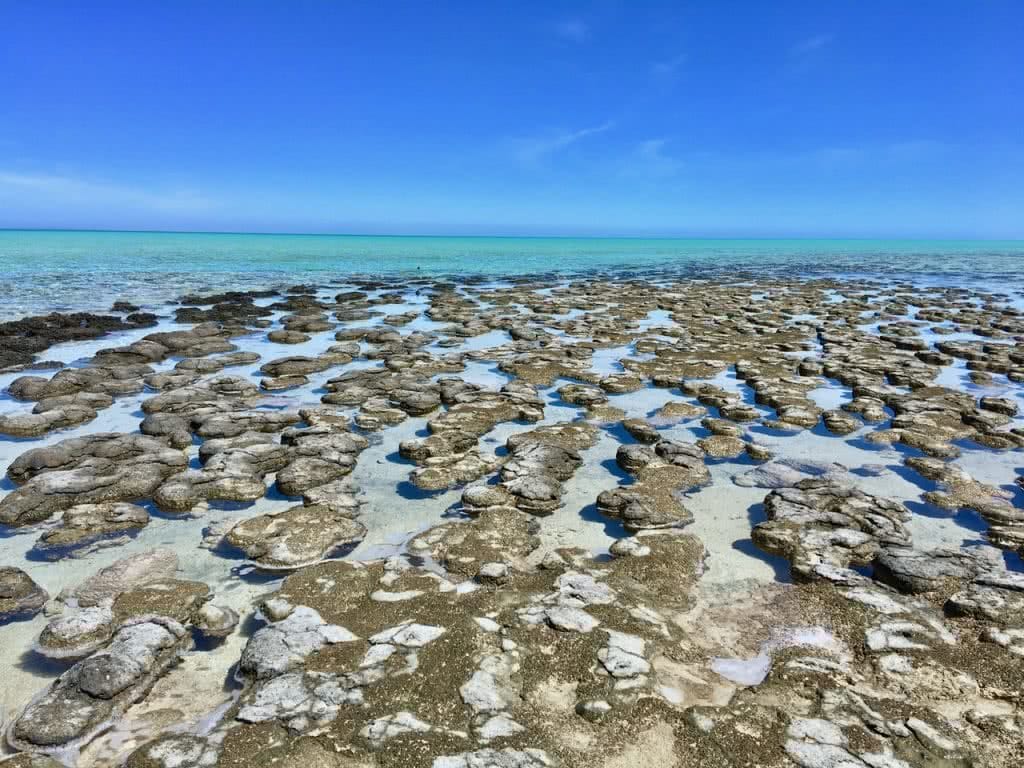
<point x="785" y="473"/>
<point x="957" y="489"/>
<point x="21" y="340"/>
<point x="19" y="594"/>
<point x="88" y="524"/>
<point x="297" y="537"/>
<point x="215" y="620"/>
<point x="98" y="689"/>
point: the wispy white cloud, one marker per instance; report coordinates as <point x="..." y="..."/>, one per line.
<point x="649" y="159"/>
<point x="668" y="67"/>
<point x="534" y="151"/>
<point x="57" y="190"/>
<point x="810" y="45"/>
<point x="575" y="30"/>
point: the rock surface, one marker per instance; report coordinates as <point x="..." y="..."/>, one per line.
<point x="494" y="616"/>
<point x="19" y="594"/>
<point x="101" y="687"/>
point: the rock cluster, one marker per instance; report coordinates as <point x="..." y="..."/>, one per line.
<point x="21" y="340"/>
<point x="99" y="469"/>
<point x="663" y="471"/>
<point x="484" y="641"/>
<point x="101" y="687"/>
<point x="824" y="528"/>
<point x="538" y="463"/>
<point x="450" y="454"/>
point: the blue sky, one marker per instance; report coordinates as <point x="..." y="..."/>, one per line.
<point x="840" y="118"/>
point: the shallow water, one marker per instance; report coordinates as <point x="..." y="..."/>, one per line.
<point x="90" y="270"/>
<point x="395" y="511"/>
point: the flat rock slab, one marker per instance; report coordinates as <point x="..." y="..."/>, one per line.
<point x="136" y="570"/>
<point x="821" y="524"/>
<point x="87" y="524"/>
<point x="294" y="538"/>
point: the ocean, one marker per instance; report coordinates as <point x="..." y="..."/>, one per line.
<point x="47" y="270"/>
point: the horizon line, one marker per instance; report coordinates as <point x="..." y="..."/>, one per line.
<point x="101" y="230"/>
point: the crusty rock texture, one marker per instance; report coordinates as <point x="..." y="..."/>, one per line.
<point x="542" y="522"/>
<point x="19" y="594"/>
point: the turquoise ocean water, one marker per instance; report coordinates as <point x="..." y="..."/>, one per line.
<point x="45" y="270"/>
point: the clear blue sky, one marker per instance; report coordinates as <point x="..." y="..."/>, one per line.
<point x="819" y="118"/>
